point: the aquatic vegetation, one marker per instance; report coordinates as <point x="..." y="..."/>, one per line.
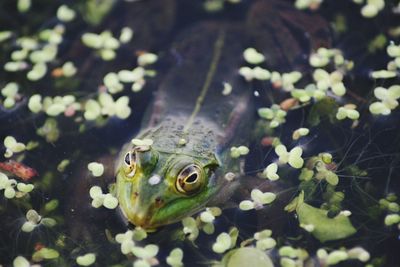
<point x="239" y="151"/>
<point x="258" y="199"/>
<point x="293" y="157"/>
<point x="86" y="260"/>
<point x="97" y="169"/>
<point x="316" y="177"/>
<point x="175" y="257"/>
<point x="100" y="199"/>
<point x="388" y="100"/>
<point x="12" y="146"/>
<point x="33" y="220"/>
<point x="274" y="114"/>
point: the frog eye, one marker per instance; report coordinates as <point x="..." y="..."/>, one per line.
<point x="190" y="179"/>
<point x="130" y="163"/>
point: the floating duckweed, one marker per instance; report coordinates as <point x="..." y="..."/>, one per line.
<point x="146" y="59"/>
<point x="7" y="185"/>
<point x="92" y="110"/>
<point x="111" y="81"/>
<point x="175" y="257"/>
<point x="10" y="90"/>
<point x="258" y="200"/>
<point x="264" y="240"/>
<point x="388" y="100"/>
<point x="55" y="109"/>
<point x="332" y="80"/>
<point x="97" y="169"/>
<point x="261" y="74"/>
<point x="142" y="142"/>
<point x="307" y="4"/>
<point x="37" y="72"/>
<point x="12" y="146"/>
<point x="207" y="217"/>
<point x="126" y="35"/>
<point x="125" y="239"/>
<point x="222" y="244"/>
<point x="19" y="55"/>
<point x="4" y="35"/>
<point x="46" y="54"/>
<point x="25" y="188"/>
<point x="110" y="202"/>
<point x="35" y="103"/>
<point x="149" y="251"/>
<point x="23" y="5"/>
<point x="15" y="66"/>
<point x="239" y="151"/>
<point x="190" y="228"/>
<point x="383" y="74"/>
<point x="359" y="253"/>
<point x="247" y="73"/>
<point x="393" y="50"/>
<point x="125" y="76"/>
<point x="33" y="219"/>
<point x="317" y="60"/>
<point x="299" y="133"/>
<point x="20" y="261"/>
<point x="270" y="172"/>
<point x="139" y="234"/>
<point x="65" y="14"/>
<point x="275" y="114"/>
<point x="45" y="254"/>
<point x="293" y="158"/>
<point x="92" y="40"/>
<point x="86" y="260"/>
<point x="392" y="219"/>
<point x="107" y="54"/>
<point x="227" y="88"/>
<point x="69" y="69"/>
<point x="252" y="56"/>
<point x="393" y="207"/>
<point x="336" y="256"/>
<point x="105" y="43"/>
<point x="369" y="11"/>
<point x="99" y="199"/>
<point x="348" y="111"/>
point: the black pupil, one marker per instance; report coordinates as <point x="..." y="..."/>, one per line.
<point x="128" y="158"/>
<point x="192" y="178"/>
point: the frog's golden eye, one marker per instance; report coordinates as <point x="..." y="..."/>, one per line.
<point x="130" y="163"/>
<point x="190" y="179"/>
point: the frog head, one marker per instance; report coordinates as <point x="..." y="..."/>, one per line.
<point x="156" y="188"/>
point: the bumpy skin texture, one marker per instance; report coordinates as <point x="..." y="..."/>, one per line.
<point x="189" y="106"/>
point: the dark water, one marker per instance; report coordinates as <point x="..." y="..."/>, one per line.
<point x="366" y="153"/>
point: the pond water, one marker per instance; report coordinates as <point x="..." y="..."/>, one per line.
<point x="286" y="113"/>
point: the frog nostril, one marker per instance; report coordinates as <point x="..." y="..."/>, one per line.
<point x="158" y="201"/>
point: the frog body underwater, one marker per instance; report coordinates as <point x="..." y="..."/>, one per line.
<point x="192" y="125"/>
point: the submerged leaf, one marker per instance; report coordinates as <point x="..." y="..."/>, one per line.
<point x="325" y="228"/>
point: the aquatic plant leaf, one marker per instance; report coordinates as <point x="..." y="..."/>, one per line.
<point x="325" y="228"/>
<point x="325" y="108"/>
<point x="86" y="260"/>
<point x="247" y="256"/>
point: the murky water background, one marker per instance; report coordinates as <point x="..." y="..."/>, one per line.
<point x="366" y="153"/>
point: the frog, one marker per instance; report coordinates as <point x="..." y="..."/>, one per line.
<point x="179" y="162"/>
<point x="192" y="125"/>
